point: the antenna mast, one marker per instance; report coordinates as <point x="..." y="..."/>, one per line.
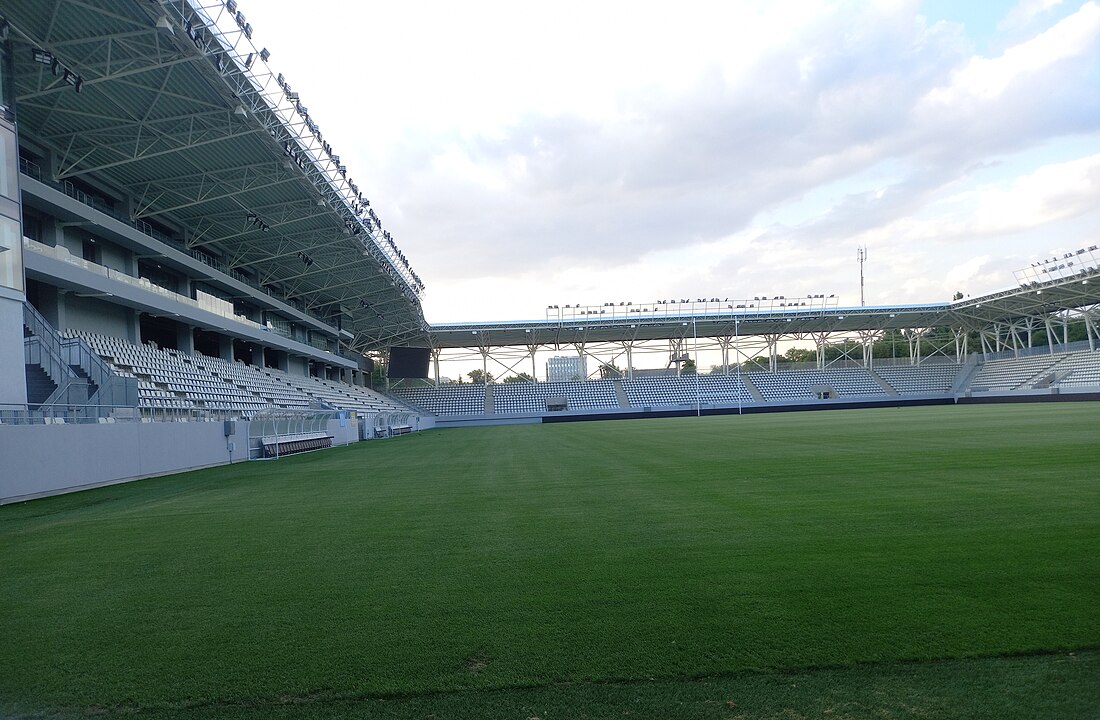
<point x="861" y="255"/>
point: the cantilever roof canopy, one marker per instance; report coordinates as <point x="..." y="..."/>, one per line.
<point x="171" y="103"/>
<point x="629" y="324"/>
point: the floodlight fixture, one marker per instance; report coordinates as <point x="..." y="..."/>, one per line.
<point x="164" y="25"/>
<point x="76" y="81"/>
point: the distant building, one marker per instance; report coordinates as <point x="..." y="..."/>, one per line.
<point x="566" y="368"/>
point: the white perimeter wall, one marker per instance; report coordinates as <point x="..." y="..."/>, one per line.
<point x="41" y="460"/>
<point x="37" y="460"/>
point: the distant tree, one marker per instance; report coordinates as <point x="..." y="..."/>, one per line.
<point x="479" y="377"/>
<point x="687" y="367"/>
<point x="800" y="355"/>
<point x="754" y="365"/>
<point x="519" y="377"/>
<point x="377" y="376"/>
<point x="609" y="371"/>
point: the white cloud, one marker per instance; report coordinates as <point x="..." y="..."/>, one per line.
<point x="628" y="150"/>
<point x="1025" y="12"/>
<point x="985" y="78"/>
<point x="1050" y="194"/>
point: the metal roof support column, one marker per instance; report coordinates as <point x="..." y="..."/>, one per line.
<point x="531" y="350"/>
<point x="1050" y="334"/>
<point x="1091" y="331"/>
<point x="435" y="364"/>
<point x="675" y="353"/>
<point x="984" y="335"/>
<point x="913" y="335"/>
<point x="628" y="348"/>
<point x="962" y="340"/>
<point x="579" y="347"/>
<point x="1027" y="326"/>
<point x="483" y="348"/>
<point x="868" y="338"/>
<point x="725" y="343"/>
<point x="773" y="351"/>
<point x="821" y="341"/>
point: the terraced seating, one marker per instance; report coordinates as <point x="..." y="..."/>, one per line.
<point x="1014" y="373"/>
<point x="797" y="384"/>
<point x="680" y="391"/>
<point x="528" y="397"/>
<point x="1082" y="369"/>
<point x="445" y="399"/>
<point x="175" y="380"/>
<point x="171" y="380"/>
<point x="341" y="395"/>
<point x="936" y="378"/>
<point x="258" y="382"/>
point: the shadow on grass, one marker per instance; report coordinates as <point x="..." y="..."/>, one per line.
<point x="1065" y="685"/>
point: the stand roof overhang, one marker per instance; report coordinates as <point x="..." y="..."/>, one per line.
<point x="1036" y="301"/>
<point x="209" y="143"/>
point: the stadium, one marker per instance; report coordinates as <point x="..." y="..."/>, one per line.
<point x="191" y="279"/>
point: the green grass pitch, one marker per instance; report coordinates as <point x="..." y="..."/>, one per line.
<point x="889" y="563"/>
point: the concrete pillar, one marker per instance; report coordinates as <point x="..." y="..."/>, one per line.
<point x="47" y="304"/>
<point x="258" y="355"/>
<point x="225" y="348"/>
<point x="185" y="338"/>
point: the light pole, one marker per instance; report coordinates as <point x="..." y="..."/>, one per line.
<point x="737" y="359"/>
<point x="695" y="350"/>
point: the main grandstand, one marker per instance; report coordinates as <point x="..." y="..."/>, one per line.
<point x="182" y="242"/>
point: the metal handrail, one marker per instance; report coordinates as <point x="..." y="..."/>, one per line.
<point x="63" y="353"/>
<point x="37" y="351"/>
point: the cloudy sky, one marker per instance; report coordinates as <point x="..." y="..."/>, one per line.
<point x="526" y="154"/>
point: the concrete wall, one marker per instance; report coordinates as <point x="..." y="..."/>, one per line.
<point x="95" y="315"/>
<point x="13" y="371"/>
<point x="344" y="431"/>
<point x="297" y="365"/>
<point x="41" y="460"/>
<point x="38" y="460"/>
